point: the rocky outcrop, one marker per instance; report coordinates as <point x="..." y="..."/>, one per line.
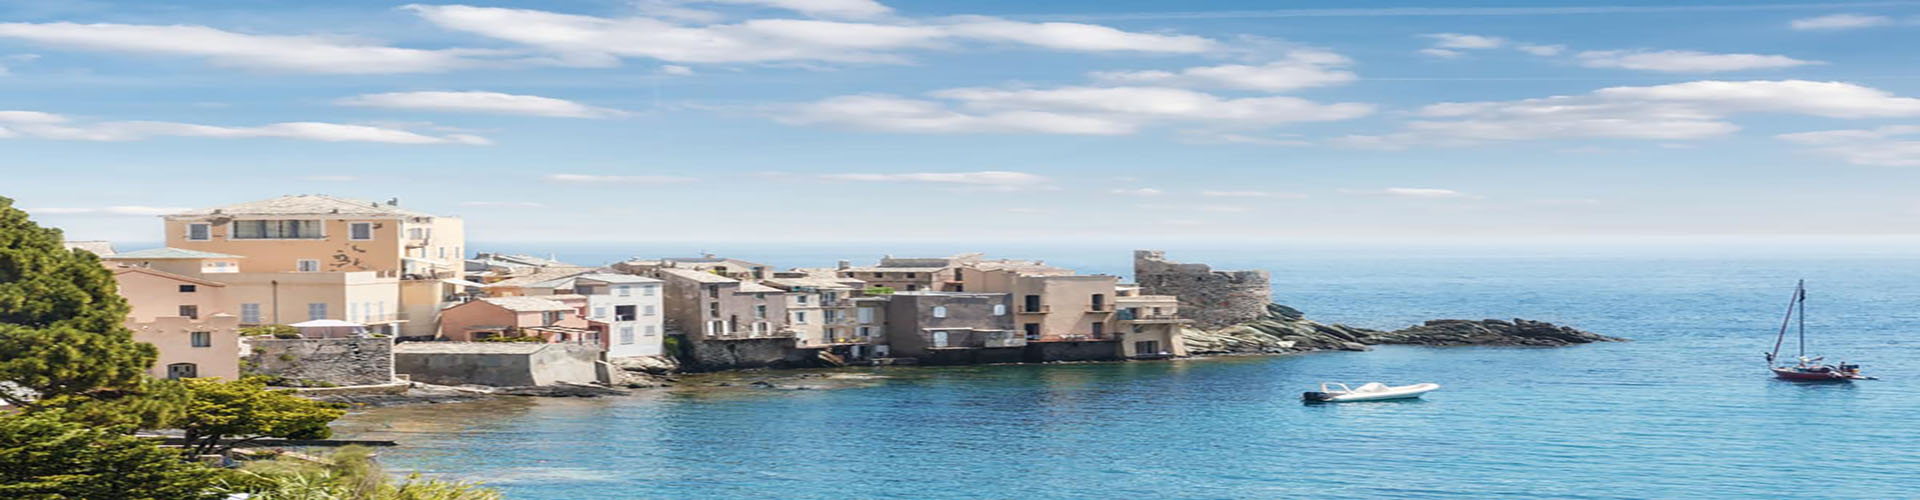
<point x="1286" y="330"/>
<point x="657" y="365"/>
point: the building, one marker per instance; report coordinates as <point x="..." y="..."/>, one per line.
<point x="422" y="254"/>
<point x="554" y="318"/>
<point x="262" y="298"/>
<point x="708" y="263"/>
<point x="626" y="309"/>
<point x="901" y="274"/>
<point x="1148" y="325"/>
<point x="708" y="306"/>
<point x="953" y="327"/>
<point x="185" y="318"/>
<point x="1213" y="299"/>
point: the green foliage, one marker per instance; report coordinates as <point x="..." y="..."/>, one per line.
<point x="45" y="457"/>
<point x="878" y="290"/>
<point x="277" y="331"/>
<point x="61" y="330"/>
<point x="352" y="475"/>
<point x="217" y="410"/>
<point x="517" y="338"/>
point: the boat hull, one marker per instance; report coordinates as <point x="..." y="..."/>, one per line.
<point x="1392" y="393"/>
<point x="1807" y="376"/>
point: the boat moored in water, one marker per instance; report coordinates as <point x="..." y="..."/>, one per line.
<point x="1335" y="392"/>
<point x="1807" y="369"/>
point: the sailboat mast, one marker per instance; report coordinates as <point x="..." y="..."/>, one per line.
<point x="1785" y="321"/>
<point x="1801" y="292"/>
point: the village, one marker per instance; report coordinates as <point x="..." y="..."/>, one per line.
<point x="330" y="293"/>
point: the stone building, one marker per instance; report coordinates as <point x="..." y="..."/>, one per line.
<point x="1212" y="299"/>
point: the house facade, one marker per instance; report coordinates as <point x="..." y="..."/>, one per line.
<point x="186" y="320"/>
<point x="627" y="310"/>
<point x="555" y="319"/>
<point x="942" y="327"/>
<point x="1148" y="325"/>
<point x="708" y="306"/>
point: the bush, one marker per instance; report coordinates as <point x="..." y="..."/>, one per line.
<point x="351" y="475"/>
<point x="277" y="331"/>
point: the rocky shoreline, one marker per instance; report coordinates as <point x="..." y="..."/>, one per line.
<point x="1285" y="330"/>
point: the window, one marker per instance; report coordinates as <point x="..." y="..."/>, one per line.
<point x="360" y="231"/>
<point x="959" y="287"/>
<point x="277" y="230"/>
<point x="442" y="250"/>
<point x="800" y="317"/>
<point x="651" y="331"/>
<point x="307" y="266"/>
<point x="910" y="275"/>
<point x="866" y="331"/>
<point x="647" y="311"/>
<point x="759" y="312"/>
<point x="182" y="370"/>
<point x="622" y="290"/>
<point x="1099" y="328"/>
<point x="202" y="339"/>
<point x="713" y="291"/>
<point x="713" y="309"/>
<point x="939" y="311"/>
<point x="189" y="288"/>
<point x="1099" y="302"/>
<point x="1032" y="304"/>
<point x="549" y="318"/>
<point x="199" y="232"/>
<point x="957" y="276"/>
<point x="646" y="290"/>
<point x="353" y="312"/>
<point x="600" y="311"/>
<point x="801" y="299"/>
<point x="999" y="309"/>
<point x="879" y="275"/>
<point x="1033" y="331"/>
<point x="316" y="310"/>
<point x="626" y="335"/>
<point x="623" y="313"/>
<point x="912" y="288"/>
<point x="865" y="315"/>
<point x="190" y="312"/>
<point x="250" y="314"/>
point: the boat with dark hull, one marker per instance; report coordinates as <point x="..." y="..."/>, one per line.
<point x="1806" y="369"/>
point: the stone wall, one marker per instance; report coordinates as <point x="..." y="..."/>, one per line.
<point x="498" y="364"/>
<point x="1042" y="352"/>
<point x="973" y="356"/>
<point x="1212" y="299"/>
<point x="343" y="361"/>
<point x="713" y="355"/>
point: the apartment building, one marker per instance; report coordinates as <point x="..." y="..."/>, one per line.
<point x="185" y="318"/>
<point x="953" y="327"/>
<point x="626" y="309"/>
<point x="1148" y="325"/>
<point x="819" y="310"/>
<point x="708" y="306"/>
<point x="260" y="298"/>
<point x="422" y="254"/>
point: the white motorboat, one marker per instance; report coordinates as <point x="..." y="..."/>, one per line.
<point x="1335" y="392"/>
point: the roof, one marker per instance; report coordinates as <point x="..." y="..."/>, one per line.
<point x="697" y="276"/>
<point x="751" y="287"/>
<point x="616" y="278"/>
<point x="169" y="253"/>
<point x="98" y="247"/>
<point x="179" y="277"/>
<point x="543" y="275"/>
<point x="468" y="347"/>
<point x="883" y="269"/>
<point x="527" y="304"/>
<point x="306" y="204"/>
<point x="815" y="282"/>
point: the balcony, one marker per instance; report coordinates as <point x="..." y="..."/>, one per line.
<point x="625" y="317"/>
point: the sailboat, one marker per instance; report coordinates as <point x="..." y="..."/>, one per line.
<point x="1805" y="368"/>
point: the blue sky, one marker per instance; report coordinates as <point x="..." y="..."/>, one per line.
<point x="853" y="120"/>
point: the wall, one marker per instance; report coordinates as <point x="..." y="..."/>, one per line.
<point x="909" y="317"/>
<point x="497" y="364"/>
<point x="1212" y="299"/>
<point x="335" y="251"/>
<point x="712" y="355"/>
<point x="1068" y="301"/>
<point x="1041" y="352"/>
<point x="973" y="356"/>
<point x="153" y="296"/>
<point x="296" y="290"/>
<point x="173" y="336"/>
<point x="457" y="322"/>
<point x="420" y="302"/>
<point x="349" y="361"/>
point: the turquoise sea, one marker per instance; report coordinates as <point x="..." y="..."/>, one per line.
<point x="1685" y="411"/>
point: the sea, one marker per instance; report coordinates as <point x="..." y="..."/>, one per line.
<point x="1686" y="409"/>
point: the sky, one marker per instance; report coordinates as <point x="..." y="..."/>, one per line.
<point x="1071" y="121"/>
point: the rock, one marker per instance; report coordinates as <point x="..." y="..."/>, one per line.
<point x="560" y="391"/>
<point x="638" y="380"/>
<point x="1286" y="330"/>
<point x="657" y="365"/>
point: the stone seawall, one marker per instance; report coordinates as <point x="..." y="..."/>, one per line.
<point x="715" y="355"/>
<point x="1212" y="299"/>
<point x="344" y="361"/>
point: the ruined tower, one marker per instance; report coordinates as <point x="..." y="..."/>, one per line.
<point x="1212" y="299"/>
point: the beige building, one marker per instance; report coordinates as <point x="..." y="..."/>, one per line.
<point x="820" y="310"/>
<point x="707" y="306"/>
<point x="709" y="263"/>
<point x="555" y="318"/>
<point x="268" y="298"/>
<point x="338" y="258"/>
<point x="185" y="319"/>
<point x="1148" y="325"/>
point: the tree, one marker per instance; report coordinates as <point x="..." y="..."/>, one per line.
<point x="45" y="457"/>
<point x="219" y="410"/>
<point x="62" y="330"/>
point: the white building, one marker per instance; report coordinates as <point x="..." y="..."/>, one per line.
<point x="629" y="308"/>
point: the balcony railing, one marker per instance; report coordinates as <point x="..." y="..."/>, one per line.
<point x="624" y="317"/>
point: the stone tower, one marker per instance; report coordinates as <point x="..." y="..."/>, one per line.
<point x="1212" y="299"/>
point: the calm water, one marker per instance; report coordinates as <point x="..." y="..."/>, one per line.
<point x="1686" y="411"/>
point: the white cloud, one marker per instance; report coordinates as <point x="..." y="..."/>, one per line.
<point x="1542" y="50"/>
<point x="1214" y="137"/>
<point x="1442" y="53"/>
<point x="676" y="70"/>
<point x="1248" y="194"/>
<point x="1465" y="41"/>
<point x="887" y="113"/>
<point x="1690" y="110"/>
<point x="1064" y="110"/>
<point x="619" y="179"/>
<point x="1419" y="193"/>
<point x="1879" y="146"/>
<point x="300" y="54"/>
<point x="603" y="41"/>
<point x="1187" y="207"/>
<point x="1685" y="61"/>
<point x="34" y="124"/>
<point x="1840" y="22"/>
<point x="330" y="178"/>
<point x="112" y="210"/>
<point x="985" y="179"/>
<point x="511" y="204"/>
<point x="1298" y="69"/>
<point x="1137" y="192"/>
<point x="480" y="102"/>
<point x="848" y="9"/>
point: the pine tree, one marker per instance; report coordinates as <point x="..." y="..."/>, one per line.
<point x="61" y="322"/>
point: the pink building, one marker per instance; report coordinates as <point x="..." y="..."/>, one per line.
<point x="556" y="318"/>
<point x="185" y="318"/>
